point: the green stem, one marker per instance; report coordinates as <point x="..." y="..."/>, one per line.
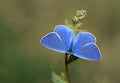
<point x="66" y="68"/>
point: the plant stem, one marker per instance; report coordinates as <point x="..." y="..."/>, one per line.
<point x="66" y="68"/>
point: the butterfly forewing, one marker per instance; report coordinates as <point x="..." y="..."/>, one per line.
<point x="65" y="33"/>
<point x="82" y="39"/>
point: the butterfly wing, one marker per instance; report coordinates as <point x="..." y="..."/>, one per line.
<point x="82" y="39"/>
<point x="84" y="46"/>
<point x="66" y="34"/>
<point x="88" y="52"/>
<point x="53" y="42"/>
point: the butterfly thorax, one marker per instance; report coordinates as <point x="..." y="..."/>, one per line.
<point x="70" y="49"/>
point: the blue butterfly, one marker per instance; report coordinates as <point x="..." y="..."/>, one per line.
<point x="64" y="40"/>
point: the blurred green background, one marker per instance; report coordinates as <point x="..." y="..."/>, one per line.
<point x="24" y="22"/>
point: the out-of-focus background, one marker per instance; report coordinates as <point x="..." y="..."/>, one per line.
<point x="24" y="22"/>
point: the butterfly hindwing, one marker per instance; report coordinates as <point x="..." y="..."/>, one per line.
<point x="54" y="42"/>
<point x="88" y="52"/>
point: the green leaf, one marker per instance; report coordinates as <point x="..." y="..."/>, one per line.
<point x="58" y="79"/>
<point x="62" y="75"/>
